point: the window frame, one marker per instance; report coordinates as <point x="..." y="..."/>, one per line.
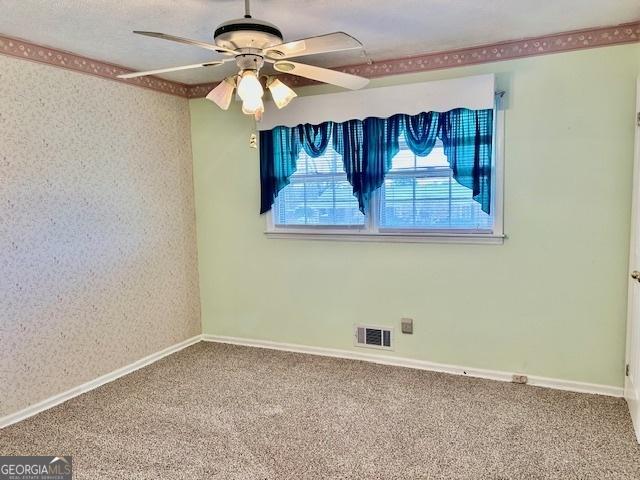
<point x="372" y="231"/>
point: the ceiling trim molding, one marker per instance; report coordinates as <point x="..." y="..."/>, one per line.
<point x="70" y="61"/>
<point x="509" y="50"/>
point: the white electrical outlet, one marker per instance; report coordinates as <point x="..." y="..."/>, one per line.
<point x="521" y="379"/>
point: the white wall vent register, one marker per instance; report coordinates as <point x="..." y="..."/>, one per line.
<point x="373" y="337"/>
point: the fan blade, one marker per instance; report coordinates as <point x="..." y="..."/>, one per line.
<point x="170" y="69"/>
<point x="331" y="42"/>
<point x="333" y="77"/>
<point x="187" y="41"/>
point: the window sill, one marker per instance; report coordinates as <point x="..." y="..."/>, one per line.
<point x="461" y="238"/>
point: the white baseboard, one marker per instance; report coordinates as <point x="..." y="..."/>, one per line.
<point x="85" y="387"/>
<point x="554" y="383"/>
<point x="325" y="352"/>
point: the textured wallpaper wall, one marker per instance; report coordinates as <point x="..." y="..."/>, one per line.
<point x="98" y="263"/>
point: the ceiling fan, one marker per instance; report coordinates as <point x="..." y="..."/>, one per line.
<point x="251" y="43"/>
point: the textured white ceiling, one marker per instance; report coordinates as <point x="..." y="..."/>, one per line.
<point x="101" y="29"/>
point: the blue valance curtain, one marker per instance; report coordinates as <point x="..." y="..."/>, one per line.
<point x="368" y="146"/>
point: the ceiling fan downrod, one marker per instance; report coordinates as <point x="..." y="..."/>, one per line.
<point x="247" y="11"/>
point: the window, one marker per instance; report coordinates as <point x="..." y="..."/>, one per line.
<point x="319" y="195"/>
<point x="420" y="193"/>
<point x="419" y="201"/>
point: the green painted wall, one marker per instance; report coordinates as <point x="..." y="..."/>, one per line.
<point x="551" y="301"/>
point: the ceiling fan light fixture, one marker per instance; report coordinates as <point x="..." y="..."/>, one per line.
<point x="249" y="87"/>
<point x="253" y="106"/>
<point x="280" y="92"/>
<point x="223" y="93"/>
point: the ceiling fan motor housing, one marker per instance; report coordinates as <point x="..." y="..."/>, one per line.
<point x="249" y="61"/>
<point x="247" y="33"/>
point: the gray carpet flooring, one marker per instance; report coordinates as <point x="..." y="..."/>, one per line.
<point x="217" y="411"/>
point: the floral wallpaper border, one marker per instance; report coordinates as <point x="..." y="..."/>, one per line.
<point x="70" y="61"/>
<point x="554" y="43"/>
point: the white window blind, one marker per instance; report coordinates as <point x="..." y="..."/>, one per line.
<point x="319" y="194"/>
<point x="420" y="193"/>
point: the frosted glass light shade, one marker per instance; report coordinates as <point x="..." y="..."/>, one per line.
<point x="281" y="93"/>
<point x="223" y="93"/>
<point x="252" y="106"/>
<point x="249" y="87"/>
